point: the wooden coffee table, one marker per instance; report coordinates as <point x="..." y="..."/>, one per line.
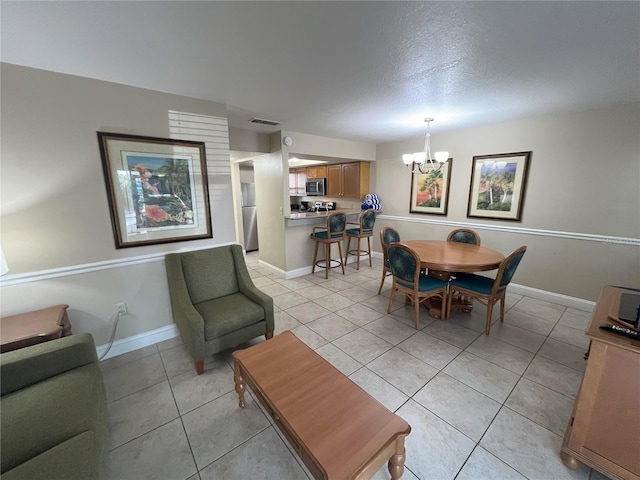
<point x="338" y="430"/>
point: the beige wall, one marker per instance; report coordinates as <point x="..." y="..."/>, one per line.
<point x="584" y="178"/>
<point x="270" y="187"/>
<point x="54" y="212"/>
<point x="56" y="232"/>
<point x="327" y="147"/>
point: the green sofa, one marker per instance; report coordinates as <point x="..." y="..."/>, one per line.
<point x="53" y="411"/>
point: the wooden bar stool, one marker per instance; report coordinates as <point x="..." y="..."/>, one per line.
<point x="332" y="233"/>
<point x="364" y="230"/>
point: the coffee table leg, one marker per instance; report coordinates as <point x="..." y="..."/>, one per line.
<point x="239" y="381"/>
<point x="396" y="462"/>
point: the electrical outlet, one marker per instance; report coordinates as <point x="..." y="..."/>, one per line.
<point x="122" y="308"/>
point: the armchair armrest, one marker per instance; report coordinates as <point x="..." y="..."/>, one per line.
<point x="318" y="228"/>
<point x="248" y="288"/>
<point x="190" y="323"/>
<point x="30" y="365"/>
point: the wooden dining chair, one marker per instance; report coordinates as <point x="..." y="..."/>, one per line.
<point x="332" y="233"/>
<point x="387" y="235"/>
<point x="408" y="279"/>
<point x="360" y="230"/>
<point x="487" y="290"/>
<point x="464" y="235"/>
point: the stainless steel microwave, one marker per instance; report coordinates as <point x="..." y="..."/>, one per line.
<point x="316" y="186"/>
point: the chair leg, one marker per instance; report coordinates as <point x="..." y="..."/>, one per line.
<point x="340" y="252"/>
<point x="200" y="366"/>
<point x="393" y="292"/>
<point x="369" y="245"/>
<point x="327" y="259"/>
<point x="358" y="253"/>
<point x="346" y="254"/>
<point x="384" y="275"/>
<point x="501" y="309"/>
<point x="489" y="313"/>
<point x="416" y="303"/>
<point x="315" y="257"/>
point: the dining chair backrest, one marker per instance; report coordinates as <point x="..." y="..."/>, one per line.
<point x="464" y="235"/>
<point x="508" y="268"/>
<point x="388" y="235"/>
<point x="404" y="264"/>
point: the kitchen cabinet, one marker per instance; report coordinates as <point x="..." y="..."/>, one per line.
<point x="319" y="171"/>
<point x="348" y="179"/>
<point x="297" y="181"/>
<point x="603" y="429"/>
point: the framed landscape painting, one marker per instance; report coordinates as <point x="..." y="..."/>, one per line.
<point x="497" y="185"/>
<point x="430" y="190"/>
<point x="157" y="189"/>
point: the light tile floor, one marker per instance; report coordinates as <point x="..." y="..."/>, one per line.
<point x="480" y="407"/>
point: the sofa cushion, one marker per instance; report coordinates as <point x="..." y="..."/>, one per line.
<point x="209" y="273"/>
<point x="228" y="314"/>
<point x="74" y="459"/>
<point x="35" y="419"/>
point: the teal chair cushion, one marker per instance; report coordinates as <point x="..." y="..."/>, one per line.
<point x="356" y="231"/>
<point x="473" y="282"/>
<point x="227" y="314"/>
<point x="425" y="284"/>
<point x="323" y="235"/>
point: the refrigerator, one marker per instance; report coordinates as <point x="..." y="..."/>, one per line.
<point x="249" y="216"/>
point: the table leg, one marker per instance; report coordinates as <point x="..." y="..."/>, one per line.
<point x="396" y="462"/>
<point x="239" y="381"/>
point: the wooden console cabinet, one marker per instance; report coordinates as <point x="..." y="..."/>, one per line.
<point x="604" y="429"/>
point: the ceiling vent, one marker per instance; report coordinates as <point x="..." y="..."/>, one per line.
<point x="262" y="121"/>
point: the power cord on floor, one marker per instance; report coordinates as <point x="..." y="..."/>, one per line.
<point x="117" y="316"/>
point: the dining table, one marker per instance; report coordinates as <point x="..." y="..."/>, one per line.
<point x="442" y="259"/>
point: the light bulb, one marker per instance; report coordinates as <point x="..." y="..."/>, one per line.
<point x="442" y="157"/>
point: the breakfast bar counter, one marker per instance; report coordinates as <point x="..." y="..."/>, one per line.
<point x="299" y="247"/>
<point x="311" y="215"/>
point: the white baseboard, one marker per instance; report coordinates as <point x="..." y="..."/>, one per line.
<point x="565" y="300"/>
<point x="129" y="344"/>
<point x="141" y="340"/>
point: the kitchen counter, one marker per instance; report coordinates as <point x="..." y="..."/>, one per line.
<point x="300" y="248"/>
<point x="322" y="214"/>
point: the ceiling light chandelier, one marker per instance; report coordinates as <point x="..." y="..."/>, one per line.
<point x="422" y="162"/>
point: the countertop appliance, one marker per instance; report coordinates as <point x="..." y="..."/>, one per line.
<point x="316" y="186"/>
<point x="249" y="216"/>
<point x="326" y="206"/>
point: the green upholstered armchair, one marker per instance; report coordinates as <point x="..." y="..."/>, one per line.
<point x="214" y="301"/>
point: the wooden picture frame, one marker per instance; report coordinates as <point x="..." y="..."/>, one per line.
<point x="157" y="189"/>
<point x="430" y="190"/>
<point x="498" y="185"/>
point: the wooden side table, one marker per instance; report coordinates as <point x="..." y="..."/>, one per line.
<point x="25" y="329"/>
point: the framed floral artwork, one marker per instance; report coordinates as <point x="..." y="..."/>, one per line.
<point x="430" y="190"/>
<point x="156" y="187"/>
<point x="497" y="185"/>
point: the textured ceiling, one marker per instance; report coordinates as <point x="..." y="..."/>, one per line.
<point x="367" y="71"/>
